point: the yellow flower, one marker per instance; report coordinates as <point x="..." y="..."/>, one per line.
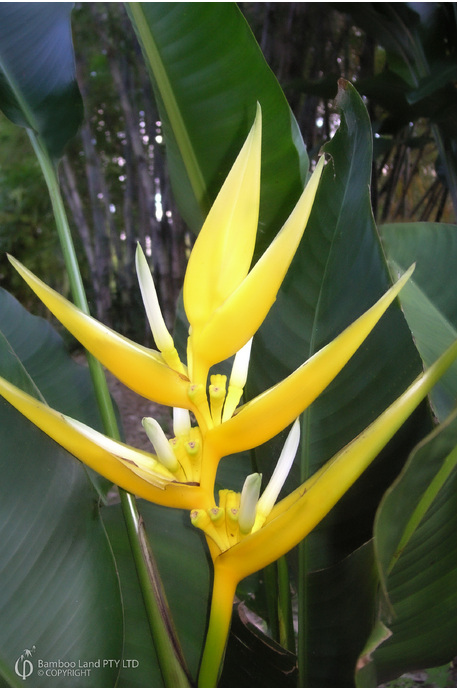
<point x="189" y="483"/>
<point x="225" y="303"/>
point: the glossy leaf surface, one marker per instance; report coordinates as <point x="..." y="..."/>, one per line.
<point x="338" y="272"/>
<point x="415" y="546"/>
<point x="56" y="563"/>
<point x="38" y="87"/>
<point x="429" y="301"/>
<point x="208" y="73"/>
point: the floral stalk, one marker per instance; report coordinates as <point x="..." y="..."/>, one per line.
<point x="224" y="586"/>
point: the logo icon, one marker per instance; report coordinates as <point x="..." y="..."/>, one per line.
<point x="23" y="665"/>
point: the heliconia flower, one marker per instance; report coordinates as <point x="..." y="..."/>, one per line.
<point x="296" y="515"/>
<point x="199" y="453"/>
<point x="225" y="302"/>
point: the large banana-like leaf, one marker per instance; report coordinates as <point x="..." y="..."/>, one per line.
<point x="57" y="568"/>
<point x="415" y="546"/>
<point x="208" y="72"/>
<point x="338" y="272"/>
<point x="347" y="587"/>
<point x="38" y="88"/>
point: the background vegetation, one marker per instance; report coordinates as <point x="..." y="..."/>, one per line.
<point x="114" y="175"/>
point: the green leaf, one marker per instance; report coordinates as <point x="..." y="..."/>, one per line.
<point x="57" y="568"/>
<point x="340" y="613"/>
<point x="38" y="88"/>
<point x="415" y="546"/>
<point x="253" y="659"/>
<point x="432" y="246"/>
<point x="338" y="272"/>
<point x="180" y="555"/>
<point x="429" y="300"/>
<point x="208" y="72"/>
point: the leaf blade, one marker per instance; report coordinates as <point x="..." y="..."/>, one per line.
<point x="38" y="87"/>
<point x="416" y="560"/>
<point x="204" y="48"/>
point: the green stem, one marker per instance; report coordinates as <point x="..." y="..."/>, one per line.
<point x="285" y="611"/>
<point x="271" y="593"/>
<point x="76" y="283"/>
<point x="166" y="646"/>
<point x="303" y="563"/>
<point x="224" y="586"/>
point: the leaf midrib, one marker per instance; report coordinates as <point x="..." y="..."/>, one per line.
<point x="183" y="140"/>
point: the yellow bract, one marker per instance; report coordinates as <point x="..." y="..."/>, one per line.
<point x="236" y="320"/>
<point x="296" y="515"/>
<point x="225" y="302"/>
<point x="138" y="472"/>
<point x="223" y="251"/>
<point x="142" y="369"/>
<point x="269" y="413"/>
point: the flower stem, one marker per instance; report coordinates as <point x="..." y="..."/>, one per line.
<point x="167" y="649"/>
<point x="224" y="585"/>
<point x="270" y="580"/>
<point x="285" y="612"/>
<point x="76" y="283"/>
<point x="303" y="551"/>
